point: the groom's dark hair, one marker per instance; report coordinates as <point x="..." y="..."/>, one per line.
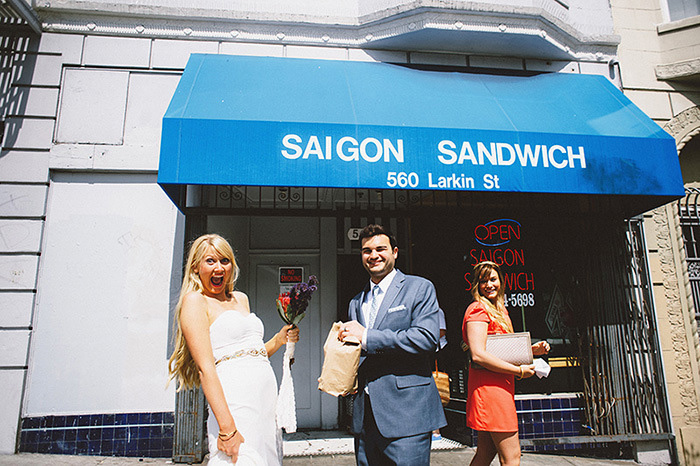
<point x="374" y="230"/>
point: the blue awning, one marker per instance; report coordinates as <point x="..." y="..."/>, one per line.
<point x="260" y="121"/>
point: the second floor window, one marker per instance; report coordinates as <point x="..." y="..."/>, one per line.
<point x="680" y="9"/>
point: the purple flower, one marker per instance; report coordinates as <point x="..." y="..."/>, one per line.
<point x="292" y="305"/>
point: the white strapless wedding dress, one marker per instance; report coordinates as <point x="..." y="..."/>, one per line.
<point x="250" y="388"/>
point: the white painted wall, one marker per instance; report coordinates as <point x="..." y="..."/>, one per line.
<point x="111" y="119"/>
<point x="102" y="314"/>
<point x="11" y="389"/>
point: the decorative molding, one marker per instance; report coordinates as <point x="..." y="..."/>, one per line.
<point x="584" y="21"/>
<point x="667" y="228"/>
<point x="684" y="126"/>
<point x="557" y="38"/>
<point x="678" y="70"/>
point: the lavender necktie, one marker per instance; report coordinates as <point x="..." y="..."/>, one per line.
<point x="374" y="305"/>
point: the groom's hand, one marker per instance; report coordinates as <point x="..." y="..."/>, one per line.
<point x="352" y="328"/>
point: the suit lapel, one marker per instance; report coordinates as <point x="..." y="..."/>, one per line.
<point x="391" y="294"/>
<point x="358" y="311"/>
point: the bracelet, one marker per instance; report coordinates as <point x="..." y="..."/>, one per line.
<point x="229" y="436"/>
<point x="521" y="372"/>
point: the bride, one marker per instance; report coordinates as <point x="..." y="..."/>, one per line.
<point x="219" y="345"/>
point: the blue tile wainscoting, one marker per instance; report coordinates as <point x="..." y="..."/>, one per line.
<point x="548" y="416"/>
<point x="129" y="434"/>
<point x="151" y="434"/>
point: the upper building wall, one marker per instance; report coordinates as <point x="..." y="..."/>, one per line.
<point x="657" y="54"/>
<point x="680" y="50"/>
<point x="545" y="29"/>
<point x="587" y="16"/>
<point x="327" y="11"/>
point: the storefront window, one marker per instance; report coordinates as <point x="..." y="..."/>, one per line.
<point x="681" y="9"/>
<point x="541" y="259"/>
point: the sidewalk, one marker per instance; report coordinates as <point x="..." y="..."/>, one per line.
<point x="316" y="448"/>
<point x="438" y="458"/>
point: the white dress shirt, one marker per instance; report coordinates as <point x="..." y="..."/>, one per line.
<point x="367" y="303"/>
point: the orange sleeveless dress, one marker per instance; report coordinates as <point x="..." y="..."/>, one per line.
<point x="490" y="395"/>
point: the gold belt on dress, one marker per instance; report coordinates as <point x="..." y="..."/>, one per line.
<point x="244" y="352"/>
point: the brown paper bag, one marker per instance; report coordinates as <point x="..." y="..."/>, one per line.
<point x="442" y="382"/>
<point x="340" y="362"/>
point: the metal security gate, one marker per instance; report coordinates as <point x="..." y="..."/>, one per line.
<point x="689" y="214"/>
<point x="621" y="358"/>
<point x="189" y="442"/>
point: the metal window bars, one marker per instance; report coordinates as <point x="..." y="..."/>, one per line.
<point x="622" y="368"/>
<point x="689" y="216"/>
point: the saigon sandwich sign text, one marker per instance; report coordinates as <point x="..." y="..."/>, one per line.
<point x="463" y="155"/>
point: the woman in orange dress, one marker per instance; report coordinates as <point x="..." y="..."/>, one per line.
<point x="490" y="391"/>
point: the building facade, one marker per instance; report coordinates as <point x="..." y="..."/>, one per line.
<point x="659" y="60"/>
<point x="91" y="246"/>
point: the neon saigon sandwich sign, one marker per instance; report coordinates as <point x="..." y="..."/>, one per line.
<point x="498" y="241"/>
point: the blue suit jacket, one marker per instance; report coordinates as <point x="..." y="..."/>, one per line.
<point x="396" y="367"/>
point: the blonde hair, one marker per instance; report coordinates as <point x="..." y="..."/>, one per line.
<point x="181" y="366"/>
<point x="497" y="312"/>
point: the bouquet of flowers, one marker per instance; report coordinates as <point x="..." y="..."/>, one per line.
<point x="292" y="305"/>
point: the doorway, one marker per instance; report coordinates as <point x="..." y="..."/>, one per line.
<point x="263" y="291"/>
<point x="265" y="244"/>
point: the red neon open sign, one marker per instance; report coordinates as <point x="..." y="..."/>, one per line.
<point x="497" y="232"/>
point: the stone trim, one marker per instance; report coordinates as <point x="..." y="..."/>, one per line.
<point x="673" y="26"/>
<point x="684" y="126"/>
<point x="676" y="284"/>
<point x="353" y="12"/>
<point x="559" y="39"/>
<point x="678" y="70"/>
<point x="679" y="305"/>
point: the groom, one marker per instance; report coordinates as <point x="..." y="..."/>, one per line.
<point x="396" y="318"/>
